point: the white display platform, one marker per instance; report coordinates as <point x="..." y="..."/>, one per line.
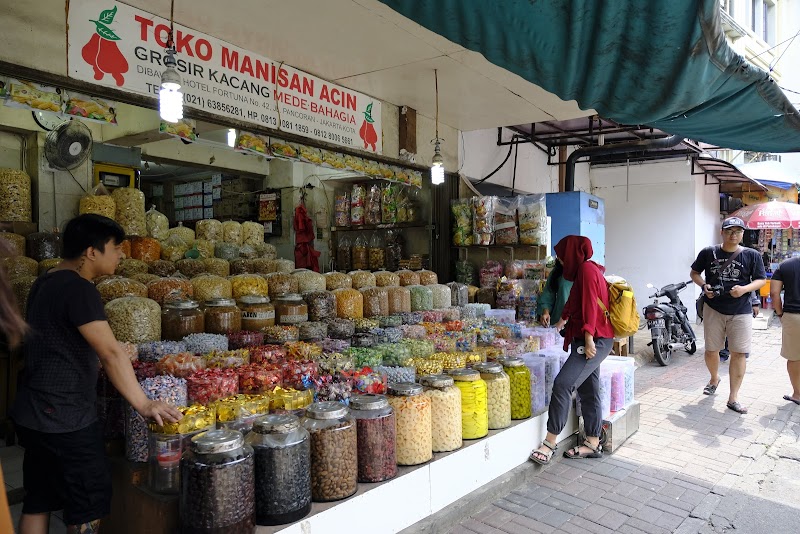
<point x="418" y="492"/>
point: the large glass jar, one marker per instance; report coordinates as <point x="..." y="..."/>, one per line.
<point x="498" y="390"/>
<point x="520" y="377"/>
<point x="360" y="253"/>
<point x="282" y="449"/>
<point x="413" y="415"/>
<point x="165" y="459"/>
<point x="222" y="316"/>
<point x="344" y="254"/>
<point x="291" y="309"/>
<point x="257" y="313"/>
<point x="217" y="484"/>
<point x="474" y="403"/>
<point x="334" y="459"/>
<point x="445" y="412"/>
<point x="375" y="422"/>
<point x="180" y="318"/>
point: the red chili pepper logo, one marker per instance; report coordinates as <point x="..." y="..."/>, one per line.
<point x="102" y="53"/>
<point x="367" y="131"/>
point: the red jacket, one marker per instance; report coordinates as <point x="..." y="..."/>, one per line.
<point x="582" y="311"/>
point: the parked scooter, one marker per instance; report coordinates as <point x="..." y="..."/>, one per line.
<point x="668" y="324"/>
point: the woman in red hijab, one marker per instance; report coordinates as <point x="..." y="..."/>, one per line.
<point x="591" y="336"/>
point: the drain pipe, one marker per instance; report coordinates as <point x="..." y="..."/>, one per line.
<point x="664" y="142"/>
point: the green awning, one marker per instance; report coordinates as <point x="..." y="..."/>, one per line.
<point x="664" y="64"/>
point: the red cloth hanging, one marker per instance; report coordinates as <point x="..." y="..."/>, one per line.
<point x="305" y="256"/>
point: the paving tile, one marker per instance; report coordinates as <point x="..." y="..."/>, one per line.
<point x="556" y="518"/>
<point x="534" y="492"/>
<point x="579" y="525"/>
<point x="516" y="528"/>
<point x="534" y="525"/>
<point x="509" y="506"/>
<point x="690" y="525"/>
<point x="669" y="521"/>
<point x="538" y="511"/>
<point x="645" y="527"/>
<point x="499" y="518"/>
<point x="648" y="514"/>
<point x="613" y="520"/>
<point x="622" y="508"/>
<point x="480" y="528"/>
<point x="593" y="512"/>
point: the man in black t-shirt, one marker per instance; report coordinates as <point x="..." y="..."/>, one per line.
<point x="54" y="411"/>
<point x="728" y="312"/>
<point x="787" y="278"/>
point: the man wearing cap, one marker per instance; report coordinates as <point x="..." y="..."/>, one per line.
<point x="728" y="273"/>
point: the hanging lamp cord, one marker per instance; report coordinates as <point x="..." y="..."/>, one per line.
<point x="170" y="42"/>
<point x="436" y="81"/>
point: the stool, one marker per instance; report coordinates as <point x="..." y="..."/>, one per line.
<point x="620" y="347"/>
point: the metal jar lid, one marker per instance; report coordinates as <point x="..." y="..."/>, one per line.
<point x="220" y="302"/>
<point x="404" y="389"/>
<point x="464" y="375"/>
<point x="512" y="361"/>
<point x="437" y="381"/>
<point x="276" y="424"/>
<point x="216" y="441"/>
<point x="181" y="304"/>
<point x="489" y="368"/>
<point x="369" y="401"/>
<point x="327" y="410"/>
<point x="253" y="299"/>
<point x="290" y="297"/>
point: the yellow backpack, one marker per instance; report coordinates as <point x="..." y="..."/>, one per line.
<point x="622" y="310"/>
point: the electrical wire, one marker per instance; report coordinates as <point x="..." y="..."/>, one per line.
<point x="772" y="67"/>
<point x="73" y="177"/>
<point x="499" y="166"/>
<point x="514" y="177"/>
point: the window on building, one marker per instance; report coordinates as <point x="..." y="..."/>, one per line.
<point x="769" y="17"/>
<point x="754" y="15"/>
<point x="727" y="6"/>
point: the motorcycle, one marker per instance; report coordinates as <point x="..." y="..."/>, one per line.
<point x="668" y="324"/>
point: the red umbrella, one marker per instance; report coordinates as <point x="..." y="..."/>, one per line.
<point x="770" y="215"/>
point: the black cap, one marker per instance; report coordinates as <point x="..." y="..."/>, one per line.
<point x="733" y="221"/>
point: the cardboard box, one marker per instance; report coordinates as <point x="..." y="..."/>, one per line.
<point x="208" y="201"/>
<point x="216" y="179"/>
<point x="208" y="213"/>
<point x="216" y="192"/>
<point x="207" y="187"/>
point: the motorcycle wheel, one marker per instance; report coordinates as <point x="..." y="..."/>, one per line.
<point x="661" y="351"/>
<point x="691" y="347"/>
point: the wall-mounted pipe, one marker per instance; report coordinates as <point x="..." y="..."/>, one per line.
<point x="664" y="142"/>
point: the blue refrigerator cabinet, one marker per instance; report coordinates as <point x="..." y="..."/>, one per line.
<point x="578" y="213"/>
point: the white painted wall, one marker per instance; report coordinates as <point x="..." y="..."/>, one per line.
<point x="658" y="216"/>
<point x="479" y="155"/>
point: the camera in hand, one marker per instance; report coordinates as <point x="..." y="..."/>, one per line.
<point x="717" y="290"/>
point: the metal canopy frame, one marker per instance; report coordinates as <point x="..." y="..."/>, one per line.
<point x="549" y="136"/>
<point x="723" y="173"/>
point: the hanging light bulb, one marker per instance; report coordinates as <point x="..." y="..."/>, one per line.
<point x="232" y="137"/>
<point x="170" y="97"/>
<point x="437" y="165"/>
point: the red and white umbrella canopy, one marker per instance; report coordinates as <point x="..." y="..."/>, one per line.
<point x="770" y="215"/>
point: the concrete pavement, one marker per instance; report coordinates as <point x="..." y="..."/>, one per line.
<point x="694" y="466"/>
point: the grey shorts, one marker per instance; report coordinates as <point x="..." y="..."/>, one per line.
<point x="737" y="328"/>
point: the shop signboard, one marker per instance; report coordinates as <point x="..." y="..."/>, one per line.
<point x="119" y="46"/>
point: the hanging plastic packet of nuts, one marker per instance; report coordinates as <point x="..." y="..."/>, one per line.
<point x="462" y="222"/>
<point x="130" y="210"/>
<point x="99" y="201"/>
<point x="157" y="224"/>
<point x="483" y="220"/>
<point x="532" y="211"/>
<point x="505" y="221"/>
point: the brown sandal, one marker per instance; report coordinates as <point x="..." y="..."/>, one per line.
<point x="542" y="458"/>
<point x="575" y="452"/>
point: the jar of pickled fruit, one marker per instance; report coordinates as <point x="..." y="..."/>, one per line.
<point x="498" y="388"/>
<point x="180" y="318"/>
<point x="520" y="376"/>
<point x="474" y="403"/>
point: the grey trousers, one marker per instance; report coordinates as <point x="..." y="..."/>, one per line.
<point x="583" y="374"/>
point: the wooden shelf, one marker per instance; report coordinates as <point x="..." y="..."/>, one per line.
<point x="498" y="246"/>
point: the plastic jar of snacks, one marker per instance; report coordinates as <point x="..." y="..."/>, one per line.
<point x="267" y="355"/>
<point x="282" y="449"/>
<point x="313" y="331"/>
<point x="244" y="339"/>
<point x="134" y="319"/>
<point x="427" y="278"/>
<point x="222" y="316"/>
<point x="256" y="378"/>
<point x="376" y="301"/>
<point x="375" y="423"/>
<point x="459" y="294"/>
<point x="310" y="281"/>
<point x="115" y="288"/>
<point x="421" y="298"/>
<point x="46" y="265"/>
<point x="386" y="278"/>
<point x="520" y="376"/>
<point x="284" y="266"/>
<point x="341" y="328"/>
<point x="349" y="304"/>
<point x="208" y="286"/>
<point x="498" y="389"/>
<point x="445" y="412"/>
<point x="164" y="461"/>
<point x="399" y="299"/>
<point x="334" y="456"/>
<point x="130" y="210"/>
<point x="290" y="309"/>
<point x="217" y="484"/>
<point x="281" y="334"/>
<point x="180" y="365"/>
<point x="362" y="279"/>
<point x="441" y="296"/>
<point x="408" y="278"/>
<point x="180" y="318"/>
<point x="413" y="416"/>
<point x="257" y="312"/>
<point x="360" y="254"/>
<point x="474" y="403"/>
<point x="288" y="400"/>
